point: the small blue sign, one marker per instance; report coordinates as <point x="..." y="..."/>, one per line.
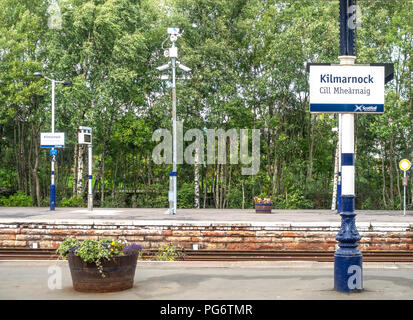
<point x="53" y="152"/>
<point x="52" y="146"/>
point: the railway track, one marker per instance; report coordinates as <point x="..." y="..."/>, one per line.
<point x="226" y="255"/>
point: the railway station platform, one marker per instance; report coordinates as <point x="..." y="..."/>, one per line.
<point x="206" y="229"/>
<point x="211" y="281"/>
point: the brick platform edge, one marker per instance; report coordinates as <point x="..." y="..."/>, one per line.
<point x="210" y="235"/>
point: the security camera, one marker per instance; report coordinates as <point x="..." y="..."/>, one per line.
<point x="163" y="67"/>
<point x="182" y="67"/>
<point x="175" y="31"/>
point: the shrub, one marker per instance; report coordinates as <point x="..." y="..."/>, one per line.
<point x="234" y="198"/>
<point x="169" y="253"/>
<point x="186" y="196"/>
<point x="75" y="201"/>
<point x="19" y="199"/>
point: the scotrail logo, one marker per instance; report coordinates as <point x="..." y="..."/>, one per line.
<point x="362" y="108"/>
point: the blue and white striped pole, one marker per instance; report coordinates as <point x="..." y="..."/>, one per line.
<point x="348" y="269"/>
<point x="90" y="194"/>
<point x="348" y="274"/>
<point x="173" y="174"/>
<point x="52" y="182"/>
<point x="173" y="184"/>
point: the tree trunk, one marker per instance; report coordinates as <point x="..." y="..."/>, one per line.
<point x="95" y="186"/>
<point x="243" y="194"/>
<point x="216" y="191"/>
<point x="150" y="174"/>
<point x="398" y="184"/>
<point x="196" y="180"/>
<point x="79" y="182"/>
<point x="383" y="177"/>
<point x="35" y="170"/>
<point x="278" y="177"/>
<point x="31" y="165"/>
<point x="75" y="169"/>
<point x="107" y="138"/>
<point x="102" y="195"/>
<point x="222" y="188"/>
<point x="205" y="186"/>
<point x="229" y="187"/>
<point x="310" y="155"/>
<point x="22" y="134"/>
<point x="334" y="200"/>
<point x="115" y="176"/>
<point x="391" y="171"/>
<point x="274" y="177"/>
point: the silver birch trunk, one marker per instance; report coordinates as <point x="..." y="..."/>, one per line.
<point x="79" y="182"/>
<point x="334" y="200"/>
<point x="243" y="194"/>
<point x="196" y="179"/>
<point x="75" y="169"/>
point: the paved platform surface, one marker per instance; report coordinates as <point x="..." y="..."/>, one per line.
<point x="192" y="215"/>
<point x="265" y="280"/>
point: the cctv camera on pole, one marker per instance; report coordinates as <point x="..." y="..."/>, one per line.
<point x="172" y="53"/>
<point x="164" y="67"/>
<point x="85" y="138"/>
<point x="182" y="67"/>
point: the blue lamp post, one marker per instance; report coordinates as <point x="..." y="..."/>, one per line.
<point x="52" y="153"/>
<point x="348" y="274"/>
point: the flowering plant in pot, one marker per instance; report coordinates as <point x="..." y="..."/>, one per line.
<point x="263" y="205"/>
<point x="100" y="266"/>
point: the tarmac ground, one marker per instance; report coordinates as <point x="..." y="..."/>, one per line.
<point x="181" y="280"/>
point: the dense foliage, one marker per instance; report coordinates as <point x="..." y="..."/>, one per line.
<point x="248" y="60"/>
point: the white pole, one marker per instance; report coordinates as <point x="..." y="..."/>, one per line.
<point x="174" y="177"/>
<point x="52" y="183"/>
<point x="339" y="163"/>
<point x="347" y="171"/>
<point x="347" y="143"/>
<point x="90" y="195"/>
<point x="404" y="193"/>
<point x="53" y="89"/>
<point x="339" y="142"/>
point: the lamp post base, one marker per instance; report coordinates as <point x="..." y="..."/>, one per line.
<point x="52" y="197"/>
<point x="348" y="270"/>
<point x="90" y="202"/>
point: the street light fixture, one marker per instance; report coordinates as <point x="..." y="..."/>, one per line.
<point x="53" y="154"/>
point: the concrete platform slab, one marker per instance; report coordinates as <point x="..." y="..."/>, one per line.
<point x="233" y="216"/>
<point x="211" y="281"/>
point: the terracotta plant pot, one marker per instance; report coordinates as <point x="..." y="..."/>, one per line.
<point x="119" y="274"/>
<point x="263" y="208"/>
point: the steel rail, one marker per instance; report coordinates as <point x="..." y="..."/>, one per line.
<point x="226" y="255"/>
